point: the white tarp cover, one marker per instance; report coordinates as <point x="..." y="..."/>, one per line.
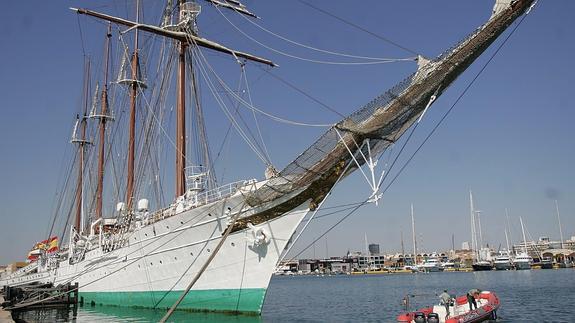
<point x="500" y="5"/>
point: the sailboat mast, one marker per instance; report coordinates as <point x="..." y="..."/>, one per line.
<point x="524" y="239"/>
<point x="478" y="213"/>
<point x="81" y="143"/>
<point x="507" y="239"/>
<point x="402" y="248"/>
<point x="104" y="111"/>
<point x="132" y="131"/>
<point x="473" y="234"/>
<point x="181" y="119"/>
<point x="414" y="239"/>
<point x="559" y="221"/>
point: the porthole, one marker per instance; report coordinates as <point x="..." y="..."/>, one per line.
<point x="160" y="262"/>
<point x="181" y="222"/>
<point x="209" y="214"/>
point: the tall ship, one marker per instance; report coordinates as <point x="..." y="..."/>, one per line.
<point x="211" y="247"/>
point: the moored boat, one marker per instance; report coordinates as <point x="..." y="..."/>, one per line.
<point x="208" y="247"/>
<point x="503" y="261"/>
<point x="546" y="263"/>
<point x="431" y="265"/>
<point x="487" y="306"/>
<point x="482" y="265"/>
<point x="523" y="261"/>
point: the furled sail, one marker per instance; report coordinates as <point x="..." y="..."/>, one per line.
<point x="382" y="121"/>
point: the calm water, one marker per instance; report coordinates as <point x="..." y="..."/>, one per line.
<point x="526" y="296"/>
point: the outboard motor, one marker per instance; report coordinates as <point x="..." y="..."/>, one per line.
<point x="433" y="318"/>
<point x="419" y="318"/>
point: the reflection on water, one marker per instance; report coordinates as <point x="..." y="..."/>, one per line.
<point x="526" y="296"/>
<point x="103" y="314"/>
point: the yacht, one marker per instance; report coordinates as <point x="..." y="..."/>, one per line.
<point x="431" y="265"/>
<point x="546" y="263"/>
<point x="523" y="261"/>
<point x="482" y="265"/>
<point x="503" y="261"/>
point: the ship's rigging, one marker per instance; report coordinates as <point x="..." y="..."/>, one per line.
<point x="357" y="140"/>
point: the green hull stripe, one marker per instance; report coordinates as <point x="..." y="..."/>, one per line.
<point x="220" y="300"/>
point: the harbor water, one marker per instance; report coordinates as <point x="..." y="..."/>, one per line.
<point x="526" y="296"/>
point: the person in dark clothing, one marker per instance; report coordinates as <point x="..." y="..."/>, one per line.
<point x="471" y="295"/>
<point x="447" y="301"/>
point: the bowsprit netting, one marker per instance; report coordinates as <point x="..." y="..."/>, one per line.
<point x="379" y="123"/>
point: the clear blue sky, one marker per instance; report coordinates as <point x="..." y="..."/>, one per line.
<point x="510" y="139"/>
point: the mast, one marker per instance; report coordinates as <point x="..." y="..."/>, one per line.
<point x="524" y="239"/>
<point x="414" y="239"/>
<point x="478" y="213"/>
<point x="81" y="143"/>
<point x="402" y="248"/>
<point x="102" y="117"/>
<point x="367" y="252"/>
<point x="559" y="221"/>
<point x="132" y="131"/>
<point x="184" y="38"/>
<point x="508" y="226"/>
<point x="473" y="233"/>
<point x="180" y="118"/>
<point x="507" y="239"/>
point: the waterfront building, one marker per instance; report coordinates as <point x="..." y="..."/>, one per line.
<point x="374" y="249"/>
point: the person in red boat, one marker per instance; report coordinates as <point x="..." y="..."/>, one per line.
<point x="446" y="300"/>
<point x="471" y="296"/>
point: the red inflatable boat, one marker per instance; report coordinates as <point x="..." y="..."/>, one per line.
<point x="487" y="305"/>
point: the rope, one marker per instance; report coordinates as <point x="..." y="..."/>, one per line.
<point x="246" y="104"/>
<point x="308" y="59"/>
<point x="359" y="27"/>
<point x="424" y="141"/>
<point x="201" y="271"/>
<point x="254" y="114"/>
<point x="228" y="114"/>
<point x="302" y="92"/>
<point x="315" y="48"/>
<point x="455" y="103"/>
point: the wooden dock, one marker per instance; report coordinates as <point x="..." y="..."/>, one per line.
<point x="5" y="316"/>
<point x="33" y="296"/>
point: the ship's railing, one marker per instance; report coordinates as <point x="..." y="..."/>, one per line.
<point x="219" y="193"/>
<point x="200" y="199"/>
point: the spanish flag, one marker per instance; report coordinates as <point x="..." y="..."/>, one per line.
<point x="51" y="244"/>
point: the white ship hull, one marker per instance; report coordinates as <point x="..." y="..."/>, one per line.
<point x="161" y="259"/>
<point x="503" y="265"/>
